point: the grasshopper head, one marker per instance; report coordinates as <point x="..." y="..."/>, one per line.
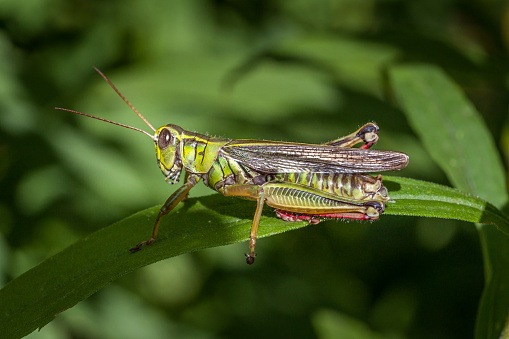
<point x="167" y="140"/>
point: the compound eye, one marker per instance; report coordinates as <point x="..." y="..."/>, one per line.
<point x="164" y="139"/>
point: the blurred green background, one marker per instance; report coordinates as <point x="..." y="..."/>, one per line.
<point x="307" y="71"/>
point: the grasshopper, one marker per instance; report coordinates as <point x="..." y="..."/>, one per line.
<point x="302" y="182"/>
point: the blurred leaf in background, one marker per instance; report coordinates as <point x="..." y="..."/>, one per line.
<point x="307" y="71"/>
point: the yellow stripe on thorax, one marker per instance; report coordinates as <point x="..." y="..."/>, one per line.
<point x="198" y="152"/>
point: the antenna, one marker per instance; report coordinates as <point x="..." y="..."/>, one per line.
<point x="106" y="120"/>
<point x="123" y="98"/>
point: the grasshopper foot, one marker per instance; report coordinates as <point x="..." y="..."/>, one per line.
<point x="138" y="247"/>
<point x="250" y="258"/>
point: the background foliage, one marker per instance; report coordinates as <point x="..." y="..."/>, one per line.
<point x="306" y="71"/>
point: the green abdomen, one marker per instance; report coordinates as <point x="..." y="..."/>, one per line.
<point x="360" y="187"/>
<point x="353" y="187"/>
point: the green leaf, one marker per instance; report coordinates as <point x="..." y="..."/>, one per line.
<point x="426" y="199"/>
<point x="452" y="131"/>
<point x="457" y="139"/>
<point x="37" y="296"/>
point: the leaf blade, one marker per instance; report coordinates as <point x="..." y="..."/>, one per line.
<point x="36" y="297"/>
<point x="458" y="140"/>
<point x="451" y="130"/>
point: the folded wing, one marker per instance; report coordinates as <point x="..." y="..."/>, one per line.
<point x="284" y="157"/>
